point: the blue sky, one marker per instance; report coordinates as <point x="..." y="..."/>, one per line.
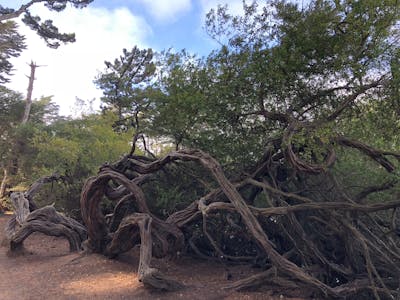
<point x="179" y="24"/>
<point x="102" y="30"/>
<point x="175" y="23"/>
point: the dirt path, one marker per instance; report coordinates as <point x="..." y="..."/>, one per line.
<point x="48" y="271"/>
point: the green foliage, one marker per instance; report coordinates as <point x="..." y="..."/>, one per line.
<point x="78" y="147"/>
<point x="11" y="110"/>
<point x="330" y="67"/>
<point x="377" y="124"/>
<point x="125" y="86"/>
<point x="176" y="187"/>
<point x="294" y="56"/>
<point x="45" y="29"/>
<point x="17" y="152"/>
<point x="277" y="62"/>
<point x="11" y="45"/>
<point x="48" y="144"/>
<point x="178" y="109"/>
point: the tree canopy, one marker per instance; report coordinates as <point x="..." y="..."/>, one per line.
<point x="11" y="45"/>
<point x="44" y="29"/>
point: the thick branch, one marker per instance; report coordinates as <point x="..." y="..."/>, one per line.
<point x="375" y="154"/>
<point x="284" y="210"/>
<point x="20" y="11"/>
<point x="351" y="98"/>
<point x="374" y="189"/>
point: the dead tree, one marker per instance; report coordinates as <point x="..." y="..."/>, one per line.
<point x="28" y="103"/>
<point x="28" y="218"/>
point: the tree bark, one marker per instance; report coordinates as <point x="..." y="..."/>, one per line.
<point x="28" y="103"/>
<point x="127" y="233"/>
<point x="28" y="219"/>
<point x="3" y="183"/>
<point x="48" y="221"/>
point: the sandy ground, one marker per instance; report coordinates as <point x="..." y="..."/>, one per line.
<point x="47" y="270"/>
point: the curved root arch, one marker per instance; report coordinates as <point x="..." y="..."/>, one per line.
<point x="48" y="221"/>
<point x="100" y="239"/>
<point x="141" y="227"/>
<point x="302" y="165"/>
<point x="28" y="218"/>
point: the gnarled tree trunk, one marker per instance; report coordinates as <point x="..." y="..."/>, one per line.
<point x="28" y="219"/>
<point x="321" y="246"/>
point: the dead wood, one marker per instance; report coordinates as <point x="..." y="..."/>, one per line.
<point x="28" y="219"/>
<point x="324" y="242"/>
<point x="48" y="221"/>
<point x="326" y="249"/>
<point x="150" y="276"/>
<point x="98" y="230"/>
<point x="99" y="236"/>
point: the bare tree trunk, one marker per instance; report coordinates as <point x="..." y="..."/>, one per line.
<point x="28" y="103"/>
<point x="3" y="188"/>
<point x="3" y="183"/>
<point x="27" y="111"/>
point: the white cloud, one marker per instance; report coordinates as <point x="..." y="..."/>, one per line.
<point x="166" y="11"/>
<point x="69" y="71"/>
<point x="235" y="7"/>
